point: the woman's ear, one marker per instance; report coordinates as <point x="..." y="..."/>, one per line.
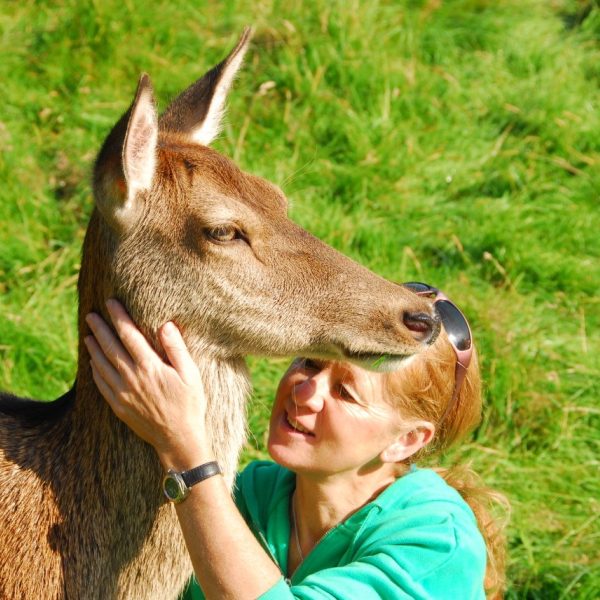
<point x="409" y="442"/>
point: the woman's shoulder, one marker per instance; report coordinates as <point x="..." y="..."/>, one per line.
<point x="424" y="488"/>
<point x="426" y="529"/>
<point x="421" y="511"/>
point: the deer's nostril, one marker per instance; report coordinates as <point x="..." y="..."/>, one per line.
<point x="423" y="327"/>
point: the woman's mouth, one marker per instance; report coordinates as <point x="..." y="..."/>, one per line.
<point x="295" y="426"/>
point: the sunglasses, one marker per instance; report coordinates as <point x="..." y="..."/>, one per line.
<point x="458" y="331"/>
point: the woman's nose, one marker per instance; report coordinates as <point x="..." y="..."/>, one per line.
<point x="309" y="393"/>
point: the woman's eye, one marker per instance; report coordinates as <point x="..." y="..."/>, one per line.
<point x="345" y="393"/>
<point x="224" y="233"/>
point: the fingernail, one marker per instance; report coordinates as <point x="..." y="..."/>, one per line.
<point x="89" y="318"/>
<point x="169" y="328"/>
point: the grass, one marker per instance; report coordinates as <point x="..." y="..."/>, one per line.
<point x="453" y="142"/>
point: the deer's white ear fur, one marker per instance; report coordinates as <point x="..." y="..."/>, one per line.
<point x="198" y="111"/>
<point x="126" y="164"/>
<point x="210" y="127"/>
<point x="139" y="149"/>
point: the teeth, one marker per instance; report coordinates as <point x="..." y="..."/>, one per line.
<point x="296" y="425"/>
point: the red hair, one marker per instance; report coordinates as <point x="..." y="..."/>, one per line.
<point x="422" y="389"/>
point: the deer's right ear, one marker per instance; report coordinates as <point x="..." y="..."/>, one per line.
<point x="126" y="164"/>
<point x="198" y="111"/>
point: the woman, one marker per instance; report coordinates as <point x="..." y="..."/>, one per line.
<point x="343" y="512"/>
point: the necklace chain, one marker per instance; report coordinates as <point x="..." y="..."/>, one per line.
<point x="296" y="536"/>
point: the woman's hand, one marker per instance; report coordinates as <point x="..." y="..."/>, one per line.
<point x="162" y="403"/>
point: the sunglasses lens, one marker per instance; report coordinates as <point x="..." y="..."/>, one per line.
<point x="455" y="324"/>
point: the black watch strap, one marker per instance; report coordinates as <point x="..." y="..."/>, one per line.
<point x="198" y="474"/>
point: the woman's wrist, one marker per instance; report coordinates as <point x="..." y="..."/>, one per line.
<point x="185" y="454"/>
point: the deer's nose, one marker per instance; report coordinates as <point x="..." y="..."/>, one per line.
<point x="423" y="327"/>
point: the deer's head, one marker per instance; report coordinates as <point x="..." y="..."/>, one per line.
<point x="195" y="240"/>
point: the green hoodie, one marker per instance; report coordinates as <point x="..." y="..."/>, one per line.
<point x="417" y="539"/>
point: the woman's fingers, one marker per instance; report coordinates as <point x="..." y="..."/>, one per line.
<point x="111" y="377"/>
<point x="131" y="337"/>
<point x="111" y="346"/>
<point x="103" y="387"/>
<point x="177" y="353"/>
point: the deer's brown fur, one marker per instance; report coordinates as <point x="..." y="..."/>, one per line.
<point x="80" y="497"/>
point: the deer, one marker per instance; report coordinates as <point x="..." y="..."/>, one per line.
<point x="178" y="233"/>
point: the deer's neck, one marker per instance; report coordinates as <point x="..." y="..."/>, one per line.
<point x="226" y="387"/>
<point x="225" y="381"/>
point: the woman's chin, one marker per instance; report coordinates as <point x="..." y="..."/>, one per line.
<point x="282" y="454"/>
<point x="278" y="454"/>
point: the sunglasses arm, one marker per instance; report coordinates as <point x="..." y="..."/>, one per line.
<point x="459" y="376"/>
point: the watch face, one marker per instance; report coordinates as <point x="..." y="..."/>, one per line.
<point x="171" y="488"/>
<point x="174" y="486"/>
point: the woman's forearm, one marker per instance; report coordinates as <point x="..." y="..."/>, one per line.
<point x="227" y="559"/>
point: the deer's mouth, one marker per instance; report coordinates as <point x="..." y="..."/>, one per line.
<point x="376" y="362"/>
<point x="372" y="361"/>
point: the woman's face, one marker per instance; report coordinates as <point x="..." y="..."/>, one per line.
<point x="330" y="417"/>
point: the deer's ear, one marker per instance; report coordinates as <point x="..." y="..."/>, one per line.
<point x="197" y="112"/>
<point x="127" y="161"/>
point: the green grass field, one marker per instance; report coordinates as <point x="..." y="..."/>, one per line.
<point x="455" y="142"/>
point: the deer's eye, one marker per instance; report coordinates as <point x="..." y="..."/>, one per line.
<point x="224" y="233"/>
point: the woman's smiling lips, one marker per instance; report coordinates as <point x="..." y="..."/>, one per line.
<point x="292" y="425"/>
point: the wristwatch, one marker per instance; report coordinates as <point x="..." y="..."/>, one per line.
<point x="176" y="485"/>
